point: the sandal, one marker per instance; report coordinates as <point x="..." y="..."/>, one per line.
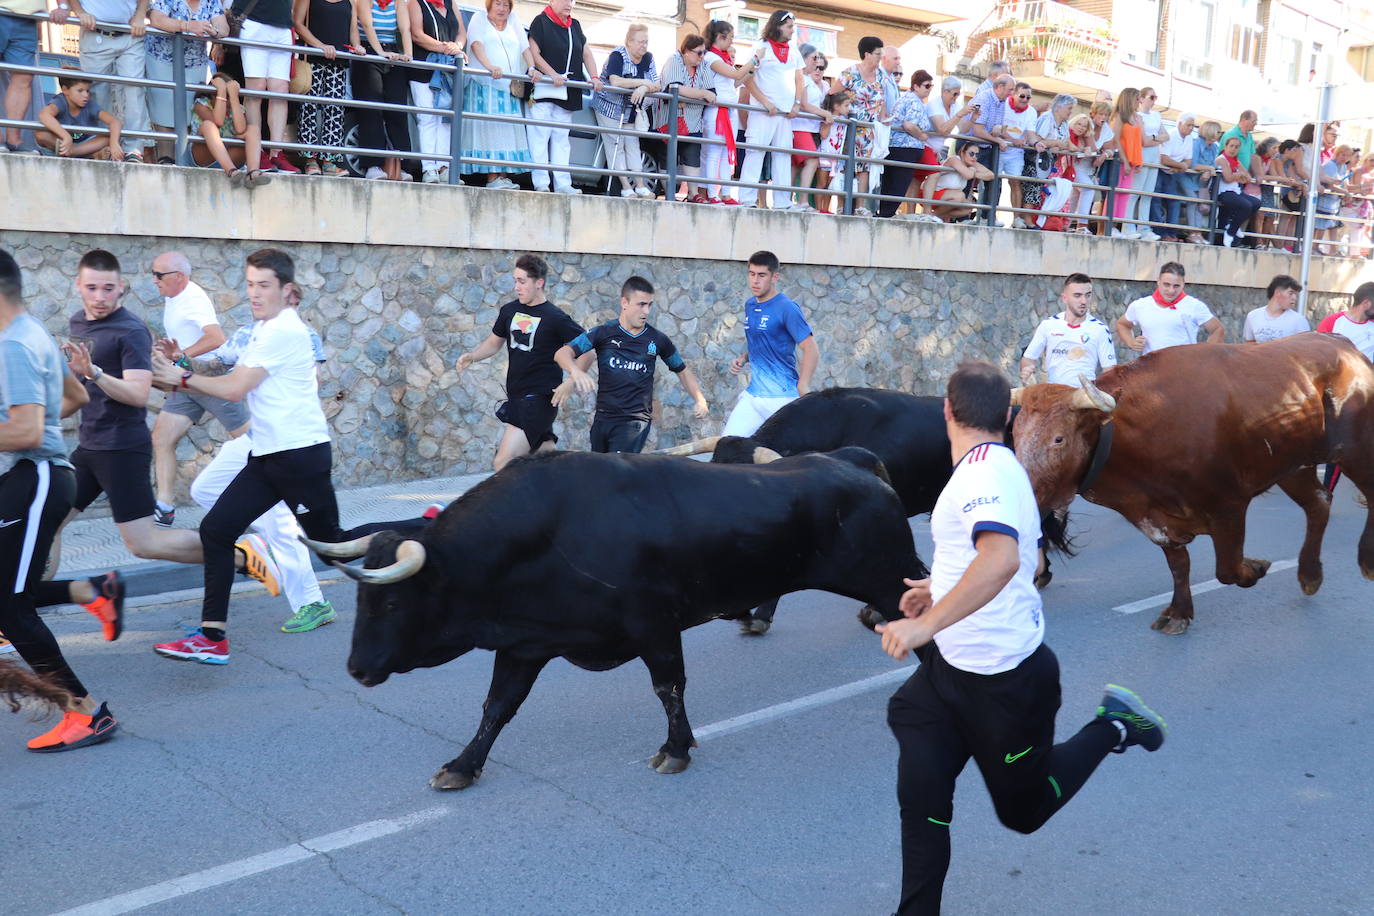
<point x="334" y="170"/>
<point x="256" y="178"/>
<point x="312" y="167"/>
<point x="237" y="177"/>
<point x="134" y="157"/>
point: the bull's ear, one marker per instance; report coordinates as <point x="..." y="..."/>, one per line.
<point x="1090" y="397"/>
<point x="1016" y="396"/>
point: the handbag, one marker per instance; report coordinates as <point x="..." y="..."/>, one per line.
<point x="547" y="91"/>
<point x="301" y="72"/>
<point x="235" y="18"/>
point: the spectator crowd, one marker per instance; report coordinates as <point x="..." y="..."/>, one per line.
<point x="1113" y="169"/>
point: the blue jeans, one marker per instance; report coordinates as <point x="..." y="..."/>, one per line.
<point x="1163" y="210"/>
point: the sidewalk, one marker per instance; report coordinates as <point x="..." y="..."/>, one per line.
<point x="93" y="545"/>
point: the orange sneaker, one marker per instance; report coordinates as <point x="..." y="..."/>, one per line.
<point x="108" y="606"/>
<point x="76" y="730"/>
<point x="259" y="564"/>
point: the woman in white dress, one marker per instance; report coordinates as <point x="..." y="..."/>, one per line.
<point x="497" y="42"/>
<point x="718" y="159"/>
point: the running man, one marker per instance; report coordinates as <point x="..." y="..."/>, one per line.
<point x="37" y="485"/>
<point x="1354" y="325"/>
<point x="774" y="328"/>
<point x="1277" y="318"/>
<point x="1168" y="317"/>
<point x="291" y="458"/>
<point x="531" y="328"/>
<point x="987" y="686"/>
<point x="1073" y="342"/>
<point x="625" y="352"/>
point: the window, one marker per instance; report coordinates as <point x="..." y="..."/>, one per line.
<point x="826" y="40"/>
<point x="1194" y="28"/>
<point x="1290" y="60"/>
<point x="750" y="28"/>
<point x="1138" y="24"/>
<point x="1245" y="44"/>
<point x="1362" y="62"/>
<point x="1319" y="64"/>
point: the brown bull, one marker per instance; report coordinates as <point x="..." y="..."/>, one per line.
<point x="1181" y="440"/>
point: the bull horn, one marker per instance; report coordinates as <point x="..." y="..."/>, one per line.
<point x="1090" y="397"/>
<point x="764" y="455"/>
<point x="697" y="447"/>
<point x="1016" y="394"/>
<point x="344" y="550"/>
<point x="410" y="557"/>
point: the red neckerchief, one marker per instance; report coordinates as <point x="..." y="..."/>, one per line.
<point x="1232" y="161"/>
<point x="437" y="4"/>
<point x="1165" y="302"/>
<point x="565" y="23"/>
<point x="383" y="4"/>
<point x="1012" y="103"/>
<point x="725" y="54"/>
<point x="780" y="49"/>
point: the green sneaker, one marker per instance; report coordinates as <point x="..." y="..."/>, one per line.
<point x="313" y="615"/>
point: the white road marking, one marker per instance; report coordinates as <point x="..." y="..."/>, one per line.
<point x="1163" y="599"/>
<point x="362" y="833"/>
<point x="253" y="865"/>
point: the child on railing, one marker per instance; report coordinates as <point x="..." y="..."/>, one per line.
<point x="223" y="117"/>
<point x="72" y="107"/>
<point x="838" y="104"/>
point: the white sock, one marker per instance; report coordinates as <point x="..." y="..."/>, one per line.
<point x="1121" y="727"/>
<point x="164" y="507"/>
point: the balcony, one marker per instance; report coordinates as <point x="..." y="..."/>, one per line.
<point x="1052" y="33"/>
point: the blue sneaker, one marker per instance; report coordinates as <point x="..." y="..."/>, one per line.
<point x="1144" y="726"/>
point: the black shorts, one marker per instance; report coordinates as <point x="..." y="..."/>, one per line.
<point x="533" y="414"/>
<point x="688" y="153"/>
<point x="619" y="435"/>
<point x="124" y="475"/>
<point x="1293" y="206"/>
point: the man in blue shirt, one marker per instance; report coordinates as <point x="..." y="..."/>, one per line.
<point x="774" y="327"/>
<point x="626" y="351"/>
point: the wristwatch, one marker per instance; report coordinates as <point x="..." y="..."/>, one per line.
<point x="96" y="373"/>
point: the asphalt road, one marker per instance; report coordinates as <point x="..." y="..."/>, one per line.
<point x="278" y="785"/>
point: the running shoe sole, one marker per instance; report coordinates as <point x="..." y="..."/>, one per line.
<point x="116" y="600"/>
<point x="1142" y="719"/>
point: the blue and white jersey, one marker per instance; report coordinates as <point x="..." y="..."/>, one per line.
<point x="772" y="331"/>
<point x="1071" y="349"/>
<point x="988" y="491"/>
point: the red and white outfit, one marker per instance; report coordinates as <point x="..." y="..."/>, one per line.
<point x="1360" y="333"/>
<point x="718" y="161"/>
<point x="1072" y="349"/>
<point x="776" y="78"/>
<point x="1168" y="324"/>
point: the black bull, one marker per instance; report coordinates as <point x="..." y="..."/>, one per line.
<point x="906" y="432"/>
<point x="601" y="559"/>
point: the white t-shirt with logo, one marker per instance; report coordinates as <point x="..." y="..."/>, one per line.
<point x="1016" y="123"/>
<point x="776" y="79"/>
<point x="187" y="314"/>
<point x="285" y="407"/>
<point x="1164" y="326"/>
<point x="1261" y="326"/>
<point x="1360" y="333"/>
<point x="1072" y="349"/>
<point x="988" y="491"/>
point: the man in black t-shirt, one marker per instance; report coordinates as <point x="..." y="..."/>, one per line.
<point x="625" y="351"/>
<point x="531" y="329"/>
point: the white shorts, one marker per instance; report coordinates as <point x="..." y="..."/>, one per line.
<point x="750" y="412"/>
<point x="259" y="63"/>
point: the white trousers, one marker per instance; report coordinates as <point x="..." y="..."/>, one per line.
<point x="434" y="129"/>
<point x="715" y="160"/>
<point x="277" y="525"/>
<point x="622" y="153"/>
<point x="1144" y="183"/>
<point x="769" y="130"/>
<point x="549" y="144"/>
<point x="122" y="56"/>
<point x="750" y="411"/>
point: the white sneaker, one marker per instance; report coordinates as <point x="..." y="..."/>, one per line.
<point x="1119" y="234"/>
<point x="504" y="184"/>
<point x="568" y="190"/>
<point x="645" y="193"/>
<point x="1018" y="223"/>
<point x="375" y="174"/>
<point x="1228" y="239"/>
<point x="1148" y="235"/>
<point x="431" y="176"/>
<point x="628" y="192"/>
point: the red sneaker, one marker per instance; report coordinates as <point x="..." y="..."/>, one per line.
<point x="196" y="648"/>
<point x="108" y="606"/>
<point x="284" y="165"/>
<point x="76" y="730"/>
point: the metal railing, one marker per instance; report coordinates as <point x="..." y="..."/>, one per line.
<point x="673" y="102"/>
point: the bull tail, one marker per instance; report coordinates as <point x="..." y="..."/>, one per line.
<point x="1055" y="528"/>
<point x="18" y="683"/>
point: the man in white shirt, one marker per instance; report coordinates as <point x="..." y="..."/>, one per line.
<point x="1168" y="317"/>
<point x="1073" y="342"/>
<point x="1175" y="157"/>
<point x="776" y="86"/>
<point x="105" y="51"/>
<point x="189" y="319"/>
<point x="988" y="686"/>
<point x="1354" y="324"/>
<point x="1277" y="319"/>
<point x="291" y="459"/>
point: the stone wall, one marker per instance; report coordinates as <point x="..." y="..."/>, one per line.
<point x="395" y="319"/>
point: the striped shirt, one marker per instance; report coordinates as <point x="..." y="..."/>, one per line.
<point x="993" y="109"/>
<point x="384" y="22"/>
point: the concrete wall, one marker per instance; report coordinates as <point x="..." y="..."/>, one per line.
<point x="401" y="279"/>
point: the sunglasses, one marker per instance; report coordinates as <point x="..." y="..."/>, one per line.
<point x="786" y="17"/>
<point x="158" y="275"/>
<point x="926" y="85"/>
<point x="1023" y="98"/>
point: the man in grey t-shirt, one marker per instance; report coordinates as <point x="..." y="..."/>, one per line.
<point x="36" y="490"/>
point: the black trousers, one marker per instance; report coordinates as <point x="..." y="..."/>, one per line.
<point x="1236" y="210"/>
<point x="941" y="717"/>
<point x="381" y="82"/>
<point x="897" y="177"/>
<point x="34" y="499"/>
<point x="619" y="435"/>
<point x="992" y="190"/>
<point x="299" y="477"/>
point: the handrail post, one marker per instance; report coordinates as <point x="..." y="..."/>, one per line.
<point x="994" y="187"/>
<point x="670" y="192"/>
<point x="455" y="124"/>
<point x="1214" y="190"/>
<point x="179" y="119"/>
<point x="849" y="167"/>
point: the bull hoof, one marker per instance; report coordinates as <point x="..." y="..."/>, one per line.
<point x="663" y="763"/>
<point x="1257" y="568"/>
<point x="754" y="626"/>
<point x="870" y="618"/>
<point x="452" y="779"/>
<point x="1310" y="584"/>
<point x="1043" y="580"/>
<point x="1171" y="626"/>
<point x="1367" y="571"/>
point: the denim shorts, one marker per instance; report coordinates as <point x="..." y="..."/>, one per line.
<point x="18" y="41"/>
